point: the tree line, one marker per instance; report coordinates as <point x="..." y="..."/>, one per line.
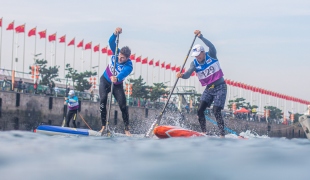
<point x="274" y="112"/>
<point x="50" y="74"/>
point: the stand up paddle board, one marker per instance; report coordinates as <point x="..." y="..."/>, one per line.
<point x="174" y="131"/>
<point x="57" y="130"/>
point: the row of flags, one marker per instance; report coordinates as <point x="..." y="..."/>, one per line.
<point x="52" y="37"/>
<point x="157" y="63"/>
<point x="266" y="92"/>
<point x="62" y="39"/>
<point x="164" y="65"/>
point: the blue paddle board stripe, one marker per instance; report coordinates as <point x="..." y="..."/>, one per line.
<point x="63" y="130"/>
<point x="225" y="128"/>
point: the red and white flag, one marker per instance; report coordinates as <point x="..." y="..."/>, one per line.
<point x="104" y="50"/>
<point x="144" y="61"/>
<point x="62" y="39"/>
<point x="138" y="59"/>
<point x="162" y="65"/>
<point x="52" y="37"/>
<point x="157" y="63"/>
<point x="132" y="57"/>
<point x="88" y="46"/>
<point x="96" y="48"/>
<point x="72" y="42"/>
<point x="20" y="29"/>
<point x="10" y="26"/>
<point x="80" y="44"/>
<point x="168" y="66"/>
<point x="42" y="34"/>
<point x="32" y="32"/>
<point x="151" y="62"/>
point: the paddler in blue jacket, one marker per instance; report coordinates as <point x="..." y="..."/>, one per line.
<point x="73" y="104"/>
<point x="122" y="69"/>
<point x="210" y="74"/>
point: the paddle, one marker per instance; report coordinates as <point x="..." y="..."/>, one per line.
<point x="65" y="114"/>
<point x="85" y="121"/>
<point x="150" y="132"/>
<point x="65" y="107"/>
<point x="112" y="86"/>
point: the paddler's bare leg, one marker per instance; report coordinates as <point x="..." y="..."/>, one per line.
<point x="102" y="129"/>
<point x="127" y="131"/>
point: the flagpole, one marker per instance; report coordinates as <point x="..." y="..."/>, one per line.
<point x="74" y="55"/>
<point x="106" y="58"/>
<point x="65" y="58"/>
<point x="91" y="59"/>
<point x="16" y="53"/>
<point x="24" y="51"/>
<point x="12" y="50"/>
<point x="189" y="81"/>
<point x="1" y="44"/>
<point x="152" y="73"/>
<point x="98" y="66"/>
<point x="34" y="55"/>
<point x="134" y="74"/>
<point x="141" y="66"/>
<point x="51" y="61"/>
<point x="158" y="71"/>
<point x="147" y="74"/>
<point x="170" y="77"/>
<point x="55" y="50"/>
<point x="45" y="46"/>
<point x="82" y="59"/>
<point x="35" y="42"/>
<point x="193" y="82"/>
<point x="164" y="76"/>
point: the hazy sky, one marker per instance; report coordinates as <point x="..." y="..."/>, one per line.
<point x="261" y="43"/>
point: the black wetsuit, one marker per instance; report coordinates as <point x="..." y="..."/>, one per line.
<point x="119" y="94"/>
<point x="71" y="114"/>
<point x="121" y="71"/>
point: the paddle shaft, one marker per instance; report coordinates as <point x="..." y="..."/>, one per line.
<point x="112" y="87"/>
<point x="84" y="121"/>
<point x="65" y="115"/>
<point x="149" y="133"/>
<point x="65" y="106"/>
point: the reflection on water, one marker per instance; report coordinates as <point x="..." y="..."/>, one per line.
<point x="26" y="155"/>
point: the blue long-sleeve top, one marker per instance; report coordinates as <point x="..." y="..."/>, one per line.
<point x="122" y="70"/>
<point x="112" y="44"/>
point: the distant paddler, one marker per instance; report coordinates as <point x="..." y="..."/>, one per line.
<point x="73" y="104"/>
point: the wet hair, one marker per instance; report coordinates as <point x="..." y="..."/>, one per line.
<point x="126" y="51"/>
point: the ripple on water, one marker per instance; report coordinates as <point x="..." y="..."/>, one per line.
<point x="26" y="155"/>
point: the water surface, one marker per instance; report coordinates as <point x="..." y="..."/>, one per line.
<point x="27" y="155"/>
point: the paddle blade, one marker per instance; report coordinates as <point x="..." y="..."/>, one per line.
<point x="150" y="132"/>
<point x="107" y="131"/>
<point x="63" y="122"/>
